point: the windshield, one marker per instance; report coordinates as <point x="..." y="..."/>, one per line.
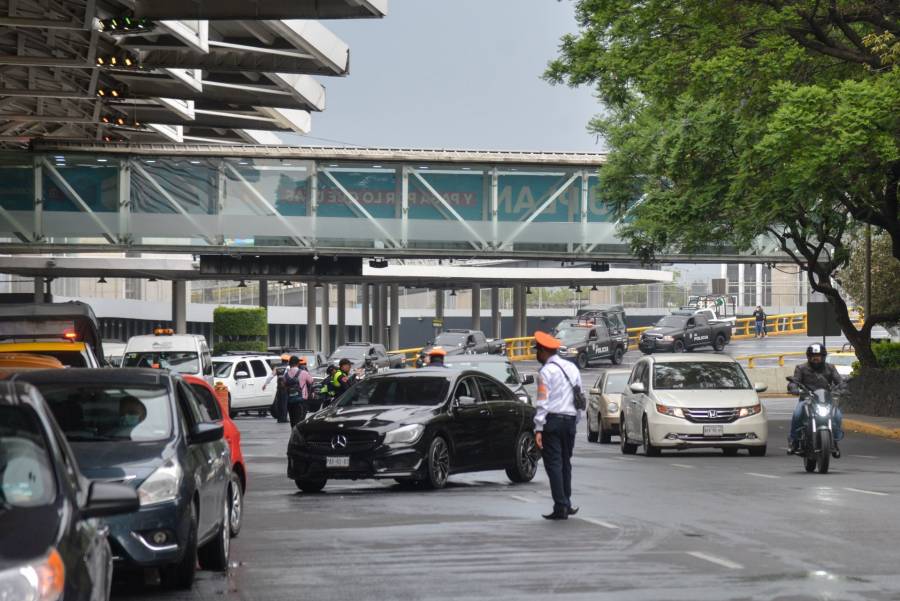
<point x="26" y="472"/>
<point x="704" y="375"/>
<point x="221" y="369"/>
<point x="503" y="371"/>
<point x="615" y="383"/>
<point x="182" y="362"/>
<point x="841" y="359"/>
<point x="349" y="352"/>
<point x="450" y="339"/>
<point x="672" y="321"/>
<point x="572" y="334"/>
<point x="96" y="412"/>
<point x="396" y="391"/>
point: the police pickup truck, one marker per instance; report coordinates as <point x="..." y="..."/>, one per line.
<point x="679" y="333"/>
<point x="588" y="339"/>
<point x="367" y="355"/>
<point x="462" y="342"/>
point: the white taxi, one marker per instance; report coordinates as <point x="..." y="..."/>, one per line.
<point x="676" y="401"/>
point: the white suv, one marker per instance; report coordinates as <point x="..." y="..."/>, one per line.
<point x="245" y="375"/>
<point x="675" y="401"/>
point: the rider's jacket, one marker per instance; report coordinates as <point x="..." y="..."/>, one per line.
<point x="815" y="379"/>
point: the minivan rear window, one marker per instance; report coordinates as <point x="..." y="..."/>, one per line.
<point x="183" y="362"/>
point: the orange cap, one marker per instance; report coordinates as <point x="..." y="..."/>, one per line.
<point x="302" y="360"/>
<point x="546" y="340"/>
<point x="438" y="350"/>
<point x="286" y="357"/>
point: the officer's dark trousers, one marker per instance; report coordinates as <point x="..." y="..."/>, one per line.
<point x="559" y="441"/>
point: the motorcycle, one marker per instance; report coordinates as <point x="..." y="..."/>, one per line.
<point x="817" y="435"/>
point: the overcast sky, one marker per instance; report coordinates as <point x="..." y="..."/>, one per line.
<point x="456" y="74"/>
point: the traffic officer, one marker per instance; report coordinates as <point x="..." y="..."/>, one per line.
<point x="555" y="420"/>
<point x="340" y="381"/>
<point x="436" y="357"/>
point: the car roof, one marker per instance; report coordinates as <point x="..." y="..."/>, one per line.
<point x="121" y="376"/>
<point x="691" y="358"/>
<point x="13" y="347"/>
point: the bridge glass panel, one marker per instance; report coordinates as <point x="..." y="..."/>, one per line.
<point x="17" y="197"/>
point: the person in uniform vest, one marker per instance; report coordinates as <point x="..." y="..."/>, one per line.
<point x="340" y="381"/>
<point x="555" y="420"/>
<point x="436" y="357"/>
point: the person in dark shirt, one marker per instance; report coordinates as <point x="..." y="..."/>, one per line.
<point x="815" y="374"/>
<point x="760" y="316"/>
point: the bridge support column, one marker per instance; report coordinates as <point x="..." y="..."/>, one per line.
<point x="365" y="303"/>
<point x="438" y="309"/>
<point x="312" y="339"/>
<point x="395" y="316"/>
<point x="39" y="294"/>
<point x="341" y="336"/>
<point x="326" y="318"/>
<point x="518" y="310"/>
<point x="179" y="306"/>
<point x="264" y="294"/>
<point x="377" y="323"/>
<point x="496" y="323"/>
<point x="476" y="306"/>
<point x="384" y="315"/>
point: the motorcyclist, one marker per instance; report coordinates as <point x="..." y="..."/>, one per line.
<point x="815" y="374"/>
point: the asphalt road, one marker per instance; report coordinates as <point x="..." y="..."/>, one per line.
<point x="689" y="525"/>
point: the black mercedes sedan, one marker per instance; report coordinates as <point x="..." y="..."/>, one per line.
<point x="420" y="426"/>
<point x="52" y="545"/>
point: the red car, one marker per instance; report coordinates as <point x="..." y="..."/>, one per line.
<point x="218" y="409"/>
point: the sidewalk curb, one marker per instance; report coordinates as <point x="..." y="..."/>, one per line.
<point x="871" y="429"/>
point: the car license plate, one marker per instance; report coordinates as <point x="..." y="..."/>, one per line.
<point x="337" y="462"/>
<point x="713" y="430"/>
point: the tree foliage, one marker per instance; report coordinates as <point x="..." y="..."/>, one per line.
<point x="885" y="277"/>
<point x="739" y="125"/>
<point x="240" y="329"/>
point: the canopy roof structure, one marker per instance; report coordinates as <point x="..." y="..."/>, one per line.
<point x="202" y="71"/>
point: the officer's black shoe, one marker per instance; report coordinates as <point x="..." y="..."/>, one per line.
<point x="795" y="447"/>
<point x="556" y="515"/>
<point x="573" y="510"/>
<point x="835" y="451"/>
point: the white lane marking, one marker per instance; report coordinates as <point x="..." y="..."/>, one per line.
<point x="725" y="563"/>
<point x="600" y="523"/>
<point x="687" y="467"/>
<point x="762" y="475"/>
<point x="523" y="499"/>
<point x="867" y="492"/>
<point x="865" y="456"/>
<point x="625" y="458"/>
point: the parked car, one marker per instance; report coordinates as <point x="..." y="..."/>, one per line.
<point x="68" y="331"/>
<point x="146" y="428"/>
<point x="314" y="359"/>
<point x="680" y="333"/>
<point x="462" y="342"/>
<point x="843" y="362"/>
<point x="416" y="426"/>
<point x="244" y="376"/>
<point x="605" y="404"/>
<point x="361" y="353"/>
<point x="217" y="406"/>
<point x="52" y="545"/>
<point x="186" y="354"/>
<point x="591" y="339"/>
<point x="683" y="401"/>
<point x="499" y="367"/>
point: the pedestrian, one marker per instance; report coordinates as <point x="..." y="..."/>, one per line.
<point x="340" y="381"/>
<point x="760" y="316"/>
<point x="297" y="384"/>
<point x="279" y="407"/>
<point x="559" y="405"/>
<point x="436" y="357"/>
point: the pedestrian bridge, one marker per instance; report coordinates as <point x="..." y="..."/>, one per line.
<point x="70" y="197"/>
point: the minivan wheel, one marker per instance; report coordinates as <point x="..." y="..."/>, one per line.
<point x="527" y="457"/>
<point x="438" y="464"/>
<point x="181" y="575"/>
<point x="649" y="449"/>
<point x="213" y="555"/>
<point x="627" y="447"/>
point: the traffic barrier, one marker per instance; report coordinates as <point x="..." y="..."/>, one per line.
<point x="752" y="359"/>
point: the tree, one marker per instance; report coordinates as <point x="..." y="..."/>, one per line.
<point x="885" y="275"/>
<point x="739" y="125"/>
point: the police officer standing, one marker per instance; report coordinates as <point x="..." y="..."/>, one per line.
<point x="555" y="420"/>
<point x="340" y="381"/>
<point x="436" y="357"/>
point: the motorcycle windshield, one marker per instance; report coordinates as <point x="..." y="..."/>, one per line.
<point x="822" y="396"/>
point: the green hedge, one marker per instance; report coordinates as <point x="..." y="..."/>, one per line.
<point x="888" y="354"/>
<point x="240" y="329"/>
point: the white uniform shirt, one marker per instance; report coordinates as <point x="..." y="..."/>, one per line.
<point x="554" y="394"/>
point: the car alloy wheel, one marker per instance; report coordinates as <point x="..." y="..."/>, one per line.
<point x="678" y="346"/>
<point x="720" y="343"/>
<point x="527" y="457"/>
<point x="438" y="463"/>
<point x="236" y="492"/>
<point x="617" y="356"/>
<point x="582" y="360"/>
<point x="626" y="447"/>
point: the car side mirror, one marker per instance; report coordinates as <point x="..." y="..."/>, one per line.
<point x="106" y="499"/>
<point x="638" y="388"/>
<point x="760" y="387"/>
<point x="528" y="379"/>
<point x="206" y="432"/>
<point x="595" y="391"/>
<point x="241" y="375"/>
<point x="463" y="401"/>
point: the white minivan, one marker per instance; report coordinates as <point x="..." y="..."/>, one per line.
<point x="186" y="354"/>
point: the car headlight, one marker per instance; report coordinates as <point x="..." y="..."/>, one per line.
<point x="823" y="410"/>
<point x="405" y="435"/>
<point x="668" y="338"/>
<point x="612" y="407"/>
<point x="572" y="351"/>
<point x="162" y="485"/>
<point x="748" y="411"/>
<point x="41" y="580"/>
<point x="670" y="411"/>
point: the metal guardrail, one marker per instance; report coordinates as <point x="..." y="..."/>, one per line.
<point x="752" y="359"/>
